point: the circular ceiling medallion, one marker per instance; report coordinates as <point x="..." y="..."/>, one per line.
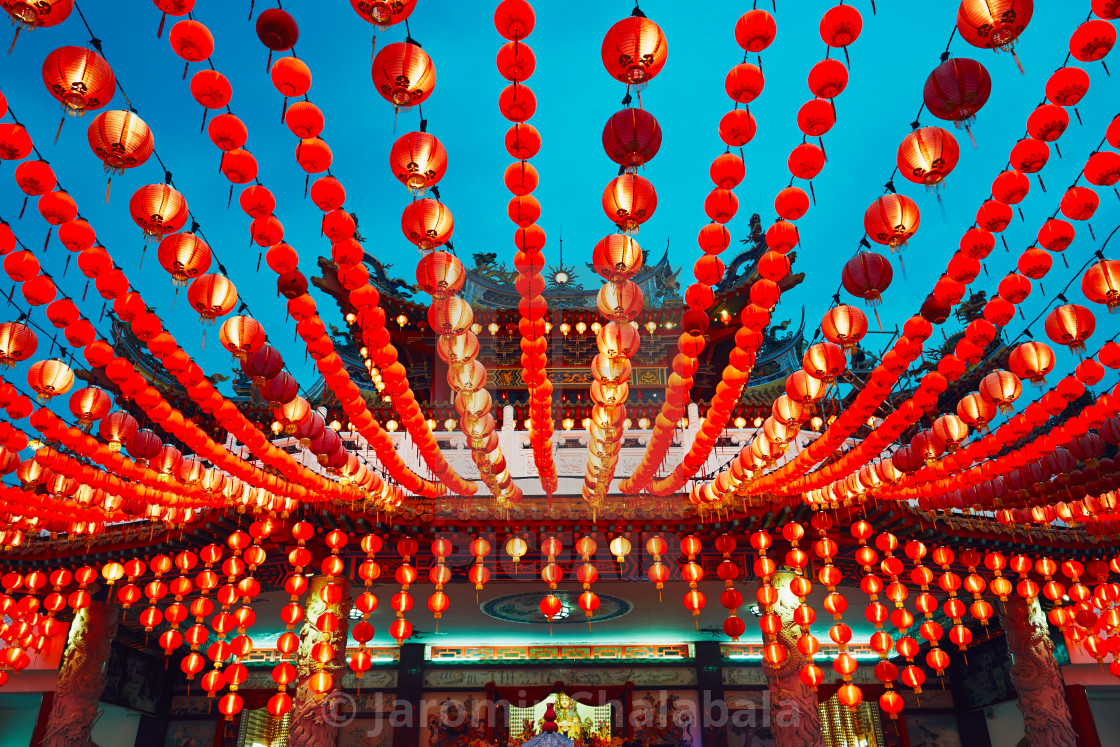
<point x="525" y="608"/>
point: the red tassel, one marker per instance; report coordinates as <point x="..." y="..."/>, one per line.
<point x="970" y="137"/>
<point x="203" y="128"/>
<point x="812" y="192"/>
<point x="1019" y="64"/>
<point x="230" y="200"/>
<point x="306" y="181"/>
<point x="878" y="320"/>
<point x="1057" y="149"/>
<point x="1041" y="183"/>
<point x="85" y="291"/>
<point x="284" y="111"/>
<point x="251" y="4"/>
<point x="269" y="65"/>
<point x="159" y="31"/>
<point x="60" y="123"/>
<point x="66" y="266"/>
<point x="185" y="66"/>
<point x="14" y="38"/>
<point x="47" y="240"/>
<point x="24" y="206"/>
<point x="108" y="183"/>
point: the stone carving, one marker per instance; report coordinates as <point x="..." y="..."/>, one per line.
<point x="315" y="719"/>
<point x="82" y="677"/>
<point x="796" y="722"/>
<point x="1036" y="676"/>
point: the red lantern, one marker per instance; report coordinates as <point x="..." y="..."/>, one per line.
<point x="159" y="209"/>
<point x="755" y="30"/>
<point x="1092" y="40"/>
<point x="427" y="223"/>
<point x="403" y="74"/>
<point x="957" y="89"/>
<point x="993" y="24"/>
<point x="634" y="50"/>
<point x="17" y="343"/>
<point x="629" y="200"/>
<point x="928" y="155"/>
<point x="892" y="220"/>
<point x="212" y="296"/>
<point x="1070" y="324"/>
<point x="418" y="160"/>
<point x="867" y="275"/>
<point x="184" y="256"/>
<point x="79" y="78"/>
<point x="121" y="140"/>
<point x="1101" y="283"/>
<point x="631" y="138"/>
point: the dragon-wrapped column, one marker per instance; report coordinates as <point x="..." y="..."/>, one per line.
<point x="82" y="677"/>
<point x="1036" y="676"/>
<point x="316" y="717"/>
<point x="794" y="719"/>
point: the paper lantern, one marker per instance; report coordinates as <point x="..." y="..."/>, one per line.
<point x="403" y="74"/>
<point x="634" y="50"/>
<point x="79" y="78"/>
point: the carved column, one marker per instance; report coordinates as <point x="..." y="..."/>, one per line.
<point x="316" y="719"/>
<point x="1036" y="676"/>
<point x="82" y="677"/>
<point x="794" y="719"/>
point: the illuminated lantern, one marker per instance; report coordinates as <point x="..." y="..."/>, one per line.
<point x="184" y="256"/>
<point x="159" y="210"/>
<point x="1001" y="388"/>
<point x="631" y="138"/>
<point x="427" y="223"/>
<point x="212" y="296"/>
<point x="957" y="89"/>
<point x="403" y="74"/>
<point x="79" y="78"/>
<point x="755" y="30"/>
<point x="993" y="24"/>
<point x="50" y="378"/>
<point x="629" y="200"/>
<point x="400" y="630"/>
<point x="927" y="155"/>
<point x="617" y="257"/>
<point x="892" y="219"/>
<point x="121" y="140"/>
<point x="1070" y="324"/>
<point x="89" y="404"/>
<point x="634" y="50"/>
<point x="1032" y="361"/>
<point x="867" y="275"/>
<point x="418" y="160"/>
<point x="242" y="335"/>
<point x="17" y="343"/>
<point x="1101" y="283"/>
<point x="38" y="14"/>
<point x="117" y="428"/>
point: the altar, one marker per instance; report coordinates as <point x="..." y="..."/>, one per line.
<point x="574" y="720"/>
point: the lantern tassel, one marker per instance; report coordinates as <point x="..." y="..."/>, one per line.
<point x="47" y="240"/>
<point x="108" y="184"/>
<point x="1041" y="183"/>
<point x="1057" y="149"/>
<point x="229" y="201"/>
<point x="66" y="266"/>
<point x="202" y="345"/>
<point x="373" y="47"/>
<point x="204" y="113"/>
<point x="1091" y="234"/>
<point x="174" y="298"/>
<point x="185" y="66"/>
<point x="1065" y="261"/>
<point x="1004" y="240"/>
<point x="284" y="110"/>
<point x="878" y="320"/>
<point x="159" y="31"/>
<point x="1078" y="115"/>
<point x="25" y="198"/>
<point x="812" y="192"/>
<point x="142" y="253"/>
<point x="251" y="4"/>
<point x="306" y="182"/>
<point x="19" y="28"/>
<point x="259" y="255"/>
<point x="970" y="136"/>
<point x="1105" y="66"/>
<point x="269" y="65"/>
<point x="1017" y="63"/>
<point x="85" y="291"/>
<point x="1021" y="215"/>
<point x="60" y="123"/>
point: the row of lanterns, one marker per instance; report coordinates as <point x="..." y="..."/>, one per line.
<point x="514" y="20"/>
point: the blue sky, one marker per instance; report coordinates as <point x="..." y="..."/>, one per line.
<point x="889" y="64"/>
